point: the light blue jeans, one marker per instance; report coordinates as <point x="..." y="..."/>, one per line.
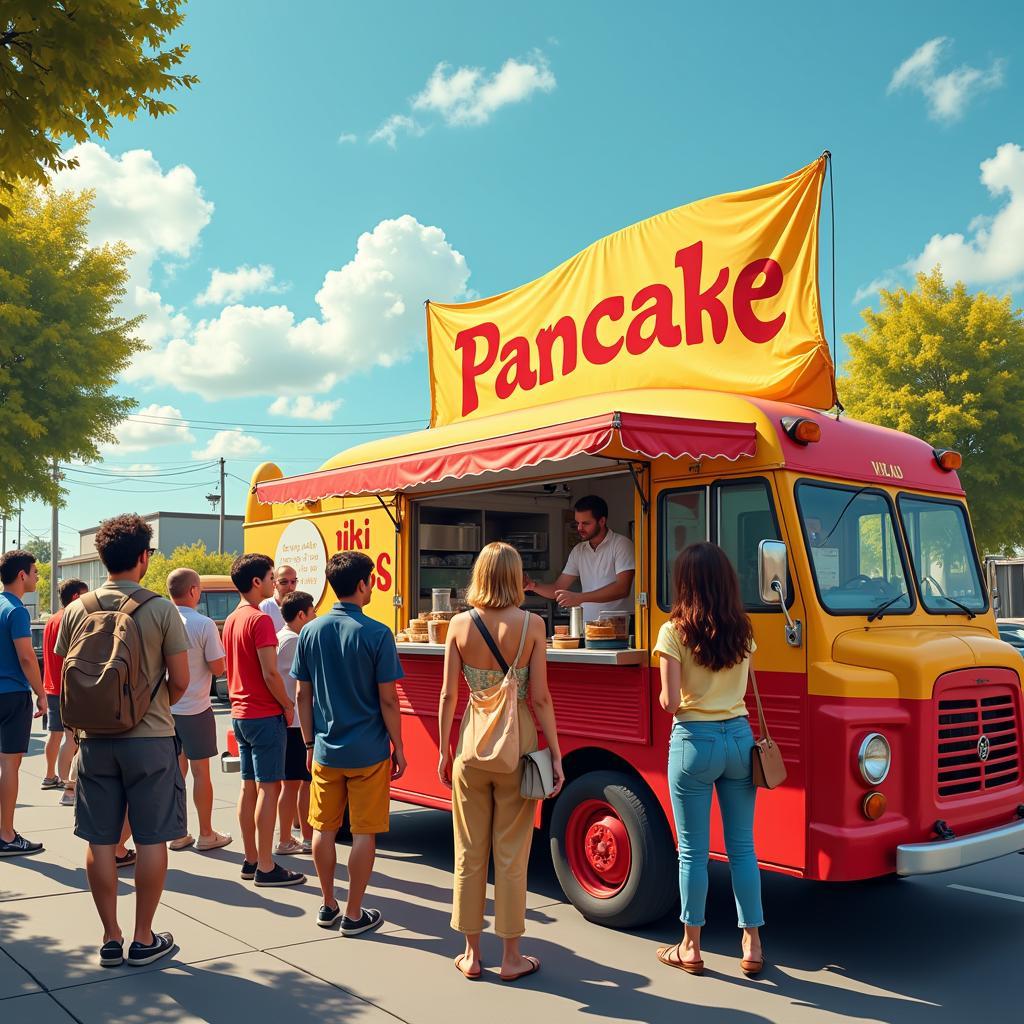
<point x="706" y="756"/>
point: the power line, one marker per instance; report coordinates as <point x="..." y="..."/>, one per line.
<point x="143" y="474"/>
<point x="282" y="429"/>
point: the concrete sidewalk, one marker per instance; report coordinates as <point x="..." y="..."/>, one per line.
<point x="869" y="951"/>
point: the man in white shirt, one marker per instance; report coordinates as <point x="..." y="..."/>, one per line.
<point x="194" y="723"/>
<point x="286" y="579"/>
<point x="296" y="609"/>
<point x="603" y="562"/>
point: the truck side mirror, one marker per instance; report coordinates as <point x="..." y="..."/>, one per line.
<point x="771" y="571"/>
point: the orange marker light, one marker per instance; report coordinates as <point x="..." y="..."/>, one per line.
<point x="874" y="806"/>
<point x="948" y="459"/>
<point x="801" y="430"/>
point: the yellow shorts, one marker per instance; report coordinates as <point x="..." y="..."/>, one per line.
<point x="367" y="791"/>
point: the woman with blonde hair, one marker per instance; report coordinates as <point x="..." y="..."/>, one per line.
<point x="705" y="650"/>
<point x="490" y="816"/>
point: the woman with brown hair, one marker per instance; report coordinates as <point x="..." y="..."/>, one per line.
<point x="490" y="815"/>
<point x="705" y="650"/>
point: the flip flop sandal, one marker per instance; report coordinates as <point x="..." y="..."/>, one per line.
<point x="689" y="966"/>
<point x="533" y="969"/>
<point x="466" y="974"/>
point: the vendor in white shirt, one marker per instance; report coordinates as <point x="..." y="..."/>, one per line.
<point x="603" y="562"/>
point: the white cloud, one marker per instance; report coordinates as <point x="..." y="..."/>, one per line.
<point x="947" y="94"/>
<point x="991" y="252"/>
<point x="231" y="444"/>
<point x="371" y="314"/>
<point x="135" y="467"/>
<point x="346" y="137"/>
<point x="397" y="123"/>
<point x="148" y="428"/>
<point x="467" y="96"/>
<point x="231" y="286"/>
<point x="303" y="407"/>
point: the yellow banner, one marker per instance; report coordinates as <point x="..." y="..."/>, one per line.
<point x="721" y="294"/>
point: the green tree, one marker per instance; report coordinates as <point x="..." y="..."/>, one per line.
<point x="67" y="69"/>
<point x="62" y="343"/>
<point x="946" y="365"/>
<point x="191" y="556"/>
<point x="41" y="549"/>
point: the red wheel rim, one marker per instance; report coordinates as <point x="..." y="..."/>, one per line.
<point x="598" y="848"/>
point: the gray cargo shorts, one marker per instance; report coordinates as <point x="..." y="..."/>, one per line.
<point x="139" y="775"/>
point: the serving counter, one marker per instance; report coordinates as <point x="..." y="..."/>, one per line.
<point x="583" y="656"/>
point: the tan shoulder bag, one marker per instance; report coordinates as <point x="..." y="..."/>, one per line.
<point x="766" y="764"/>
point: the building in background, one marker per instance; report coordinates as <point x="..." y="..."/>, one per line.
<point x="170" y="530"/>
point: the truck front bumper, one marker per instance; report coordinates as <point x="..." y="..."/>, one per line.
<point x="946" y="854"/>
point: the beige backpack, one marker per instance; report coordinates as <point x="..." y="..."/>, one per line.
<point x="102" y="689"/>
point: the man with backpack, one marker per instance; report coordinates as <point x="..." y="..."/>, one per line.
<point x="125" y="663"/>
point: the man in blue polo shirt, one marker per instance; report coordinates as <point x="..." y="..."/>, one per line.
<point x="346" y="665"/>
<point x="19" y="678"/>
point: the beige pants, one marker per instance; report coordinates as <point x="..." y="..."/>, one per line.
<point x="492" y="819"/>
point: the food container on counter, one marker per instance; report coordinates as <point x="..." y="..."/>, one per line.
<point x="575" y="622"/>
<point x="619" y="621"/>
<point x="441" y="599"/>
<point x="437" y="629"/>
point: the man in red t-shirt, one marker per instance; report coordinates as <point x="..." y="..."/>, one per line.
<point x="260" y="713"/>
<point x="57" y="770"/>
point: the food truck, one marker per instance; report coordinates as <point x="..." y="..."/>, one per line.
<point x="697" y="397"/>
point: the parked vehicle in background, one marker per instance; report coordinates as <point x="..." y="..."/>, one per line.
<point x="37" y="643"/>
<point x="1012" y="631"/>
<point x="218" y="601"/>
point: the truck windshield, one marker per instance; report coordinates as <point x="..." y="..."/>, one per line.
<point x="942" y="555"/>
<point x="854" y="549"/>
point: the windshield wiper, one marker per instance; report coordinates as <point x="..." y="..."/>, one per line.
<point x="880" y="610"/>
<point x="952" y="600"/>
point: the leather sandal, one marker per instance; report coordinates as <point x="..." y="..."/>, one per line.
<point x="468" y="975"/>
<point x="532" y="969"/>
<point x="690" y="966"/>
<point x="753" y="967"/>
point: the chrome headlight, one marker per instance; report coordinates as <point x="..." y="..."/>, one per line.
<point x="874" y="758"/>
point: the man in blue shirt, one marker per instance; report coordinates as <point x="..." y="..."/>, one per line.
<point x="19" y="678"/>
<point x="346" y="665"/>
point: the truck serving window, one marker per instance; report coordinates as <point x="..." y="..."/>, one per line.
<point x="943" y="557"/>
<point x="682" y="520"/>
<point x="857" y="560"/>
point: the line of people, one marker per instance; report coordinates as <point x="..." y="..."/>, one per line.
<point x="316" y="716"/>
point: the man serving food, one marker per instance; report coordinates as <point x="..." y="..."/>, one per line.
<point x="603" y="563"/>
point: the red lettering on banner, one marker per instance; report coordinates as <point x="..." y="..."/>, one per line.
<point x="594" y="351"/>
<point x="565" y="330"/>
<point x="654" y="306"/>
<point x="745" y="293"/>
<point x="517" y="372"/>
<point x="665" y="332"/>
<point x="697" y="302"/>
<point x="471" y="369"/>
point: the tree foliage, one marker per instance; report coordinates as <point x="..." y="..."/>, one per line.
<point x="948" y="366"/>
<point x="67" y="69"/>
<point x="62" y="343"/>
<point x="41" y="549"/>
<point x="190" y="556"/>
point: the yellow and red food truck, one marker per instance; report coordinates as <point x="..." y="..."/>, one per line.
<point x="896" y="706"/>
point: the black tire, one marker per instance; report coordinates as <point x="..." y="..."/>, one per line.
<point x="651" y="886"/>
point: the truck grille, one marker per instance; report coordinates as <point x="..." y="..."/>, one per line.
<point x="963" y="722"/>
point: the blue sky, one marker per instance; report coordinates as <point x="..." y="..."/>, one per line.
<point x="270" y="173"/>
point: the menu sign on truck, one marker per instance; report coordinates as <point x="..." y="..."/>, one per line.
<point x="721" y="295"/>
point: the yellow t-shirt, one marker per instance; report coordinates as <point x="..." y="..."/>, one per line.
<point x="706" y="696"/>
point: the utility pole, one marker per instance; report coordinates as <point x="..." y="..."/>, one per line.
<point x="54" y="542"/>
<point x="5" y="536"/>
<point x="19" y="529"/>
<point x="220" y="523"/>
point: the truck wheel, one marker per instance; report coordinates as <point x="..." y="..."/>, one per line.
<point x="613" y="856"/>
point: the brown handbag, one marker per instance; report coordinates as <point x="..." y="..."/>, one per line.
<point x="490" y="740"/>
<point x="766" y="764"/>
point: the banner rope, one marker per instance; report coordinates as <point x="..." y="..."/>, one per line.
<point x="827" y="154"/>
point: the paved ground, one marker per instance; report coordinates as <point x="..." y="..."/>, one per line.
<point x="938" y="949"/>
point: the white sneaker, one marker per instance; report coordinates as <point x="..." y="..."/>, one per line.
<point x="67" y="798"/>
